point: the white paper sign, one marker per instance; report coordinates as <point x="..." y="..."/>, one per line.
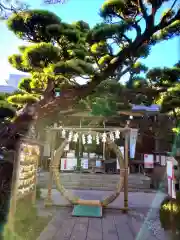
<point x="68" y="163"/>
<point x="148" y="161"/>
<point x="98" y="163"/>
<point x="84" y="163"/>
<point x="92" y="155"/>
<point x="122" y="151"/>
<point x="133" y="139"/>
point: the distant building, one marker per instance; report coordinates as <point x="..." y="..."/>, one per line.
<point x="12" y="83"/>
<point x="14" y="79"/>
<point x="7" y="89"/>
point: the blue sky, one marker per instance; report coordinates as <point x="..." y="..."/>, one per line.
<point x="164" y="54"/>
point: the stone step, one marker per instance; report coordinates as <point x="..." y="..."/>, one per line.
<point x="97" y="186"/>
<point x="96" y="181"/>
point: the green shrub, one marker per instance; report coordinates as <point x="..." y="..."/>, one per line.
<point x="170" y="215"/>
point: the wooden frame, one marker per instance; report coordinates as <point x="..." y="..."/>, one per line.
<point x="123" y="178"/>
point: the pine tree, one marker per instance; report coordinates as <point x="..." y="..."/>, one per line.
<point x="62" y="52"/>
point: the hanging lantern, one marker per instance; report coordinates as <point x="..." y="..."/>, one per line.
<point x="89" y="139"/>
<point x="111" y="136"/>
<point x="63" y="133"/>
<point x="117" y="134"/>
<point x="97" y="139"/>
<point x="83" y="139"/>
<point x="104" y="137"/>
<point x="75" y="137"/>
<point x="70" y="136"/>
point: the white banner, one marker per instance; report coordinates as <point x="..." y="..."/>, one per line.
<point x="133" y="139"/>
<point x="148" y="161"/>
<point x="169" y="169"/>
<point x="170" y="177"/>
<point x="171" y="188"/>
<point x="122" y="151"/>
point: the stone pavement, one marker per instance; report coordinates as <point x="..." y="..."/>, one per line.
<point x="141" y="223"/>
<point x="113" y="226"/>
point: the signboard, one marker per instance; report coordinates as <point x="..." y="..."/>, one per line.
<point x="122" y="151"/>
<point x="68" y="164"/>
<point x="170" y="178"/>
<point x="148" y="161"/>
<point x="84" y="163"/>
<point x="29" y="156"/>
<point x="133" y="140"/>
<point x="24" y="174"/>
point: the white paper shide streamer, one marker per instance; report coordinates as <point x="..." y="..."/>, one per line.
<point x="70" y="136"/>
<point x="83" y="139"/>
<point x="75" y="137"/>
<point x="63" y="133"/>
<point x="89" y="139"/>
<point x="111" y="136"/>
<point x="117" y="134"/>
<point x="97" y="139"/>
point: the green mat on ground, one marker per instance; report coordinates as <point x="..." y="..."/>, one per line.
<point x="87" y="211"/>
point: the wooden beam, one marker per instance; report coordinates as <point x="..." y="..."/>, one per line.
<point x="77" y="128"/>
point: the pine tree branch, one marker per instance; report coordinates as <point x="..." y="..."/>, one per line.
<point x="142" y="9"/>
<point x="164" y="23"/>
<point x="164" y="17"/>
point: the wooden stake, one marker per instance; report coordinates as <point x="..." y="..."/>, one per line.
<point x="126" y="170"/>
<point x="48" y="201"/>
